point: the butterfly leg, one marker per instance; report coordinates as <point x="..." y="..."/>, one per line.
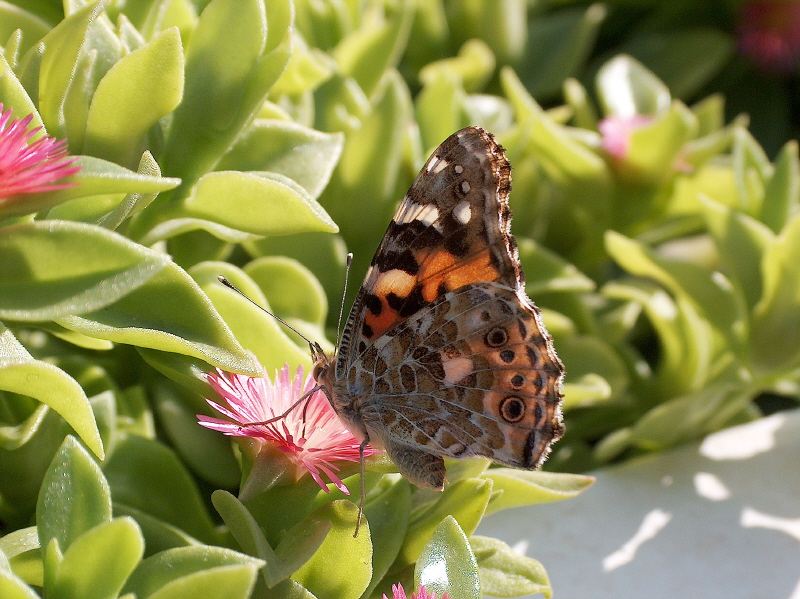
<point x="361" y="449"/>
<point x="287" y="411"/>
<point x="421" y="468"/>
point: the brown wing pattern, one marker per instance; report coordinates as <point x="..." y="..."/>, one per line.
<point x="474" y="374"/>
<point x="451" y="229"/>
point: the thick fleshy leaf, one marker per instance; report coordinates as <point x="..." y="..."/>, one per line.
<point x="782" y="195"/>
<point x="148" y="476"/>
<point x="14" y="96"/>
<point x="98" y="563"/>
<point x="506" y="573"/>
<point x="21" y="548"/>
<point x="465" y="500"/>
<point x="741" y="241"/>
<point x="290" y="288"/>
<point x="775" y="330"/>
<point x="387" y="510"/>
<point x="340" y="552"/>
<point x="45" y="382"/>
<point x="366" y="54"/>
<point x="473" y="66"/>
<point x="155" y="574"/>
<point x="711" y="295"/>
<point x="158" y="535"/>
<point x="59" y="63"/>
<point x="97" y="180"/>
<point x="206" y="452"/>
<point x="74" y="496"/>
<point x="227" y="78"/>
<point x="13" y="587"/>
<point x="168" y="313"/>
<point x="134" y="94"/>
<point x="257" y="203"/>
<point x="257" y="331"/>
<point x="439" y="107"/>
<point x="304" y="155"/>
<point x="521" y="487"/>
<point x="51" y="269"/>
<point x="227" y="582"/>
<point x="446" y="563"/>
<point x="627" y="89"/>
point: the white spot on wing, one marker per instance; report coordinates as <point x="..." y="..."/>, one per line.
<point x="427" y="214"/>
<point x="462" y="212"/>
<point x="440" y="166"/>
<point x="456" y="369"/>
<point x="458" y="169"/>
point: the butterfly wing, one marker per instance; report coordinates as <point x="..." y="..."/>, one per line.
<point x="474" y="374"/>
<point x="444" y="355"/>
<point x="451" y="229"/>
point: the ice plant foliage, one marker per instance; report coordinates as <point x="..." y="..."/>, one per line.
<point x="311" y="435"/>
<point x="769" y="34"/>
<point x="27" y="167"/>
<point x="399" y="593"/>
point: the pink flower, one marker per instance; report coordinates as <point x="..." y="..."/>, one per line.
<point x="769" y="34"/>
<point x="399" y="593"/>
<point x="311" y="435"/>
<point x="30" y="167"/>
<point x="616" y="132"/>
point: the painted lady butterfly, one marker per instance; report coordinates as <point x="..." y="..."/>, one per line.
<point x="443" y="354"/>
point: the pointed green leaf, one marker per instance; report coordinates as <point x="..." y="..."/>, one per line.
<point x="51" y="269"/>
<point x="521" y="487"/>
<point x="148" y="476"/>
<point x="74" y="496"/>
<point x="446" y="563"/>
<point x="465" y="500"/>
<point x="506" y="573"/>
<point x="45" y="382"/>
<point x="782" y="195"/>
<point x="134" y="94"/>
<point x="626" y="89"/>
<point x="776" y="318"/>
<point x="340" y="552"/>
<point x="168" y="313"/>
<point x="155" y="574"/>
<point x="98" y="562"/>
<point x="304" y="155"/>
<point x="258" y="203"/>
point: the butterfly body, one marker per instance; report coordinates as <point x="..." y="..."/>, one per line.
<point x="443" y="353"/>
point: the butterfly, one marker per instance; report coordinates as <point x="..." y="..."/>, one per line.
<point x="443" y="354"/>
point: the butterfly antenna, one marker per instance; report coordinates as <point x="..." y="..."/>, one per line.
<point x="230" y="285"/>
<point x="344" y="295"/>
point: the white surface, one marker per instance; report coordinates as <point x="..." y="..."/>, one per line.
<point x="720" y="519"/>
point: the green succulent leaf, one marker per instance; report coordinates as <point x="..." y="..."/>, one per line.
<point x="446" y="563"/>
<point x="74" y="497"/>
<point x="168" y="313"/>
<point x="176" y="572"/>
<point x="520" y="487"/>
<point x="134" y="94"/>
<point x="506" y="573"/>
<point x="339" y="552"/>
<point x="52" y="269"/>
<point x="97" y="564"/>
<point x="257" y="203"/>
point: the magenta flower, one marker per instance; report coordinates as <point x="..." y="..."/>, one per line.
<point x="769" y="34"/>
<point x="421" y="593"/>
<point x="30" y="167"/>
<point x="311" y="435"/>
<point x="616" y="133"/>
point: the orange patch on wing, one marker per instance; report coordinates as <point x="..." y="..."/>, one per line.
<point x="440" y="266"/>
<point x="394" y="281"/>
